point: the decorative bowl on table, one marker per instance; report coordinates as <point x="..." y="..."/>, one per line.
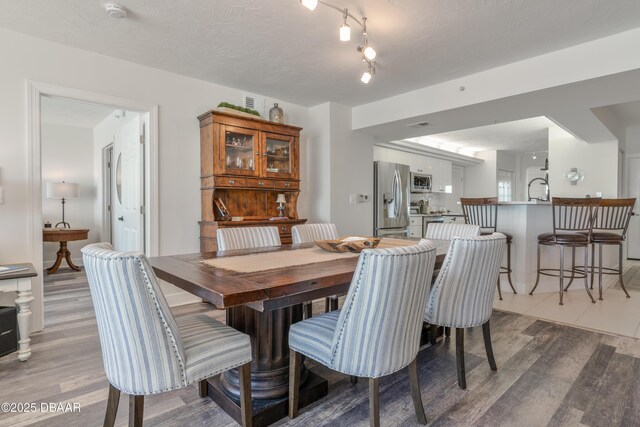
<point x="352" y="244"/>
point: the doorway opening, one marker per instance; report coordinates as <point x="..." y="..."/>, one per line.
<point x="92" y="160"/>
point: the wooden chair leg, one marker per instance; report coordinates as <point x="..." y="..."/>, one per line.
<point x="415" y="392"/>
<point x="462" y="378"/>
<point x="327" y="305"/>
<point x="447" y="331"/>
<point x="136" y="410"/>
<point x="486" y="333"/>
<point x="308" y="310"/>
<point x="202" y="388"/>
<point x="112" y="407"/>
<point x="353" y="379"/>
<point x="433" y="333"/>
<point x="374" y="402"/>
<point x="295" y="362"/>
<point x="246" y="405"/>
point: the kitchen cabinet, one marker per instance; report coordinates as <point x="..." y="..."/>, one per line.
<point x="415" y="226"/>
<point x="245" y="163"/>
<point x="442" y="182"/>
<point x="439" y="169"/>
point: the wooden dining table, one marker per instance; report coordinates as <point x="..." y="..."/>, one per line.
<point x="264" y="304"/>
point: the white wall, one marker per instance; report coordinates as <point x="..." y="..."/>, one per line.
<point x="598" y="161"/>
<point x="524" y="161"/>
<point x="67" y="155"/>
<point x="481" y="180"/>
<point x="351" y="173"/>
<point x="632" y="140"/>
<point x="180" y="99"/>
<point x="317" y="182"/>
<point x="344" y="166"/>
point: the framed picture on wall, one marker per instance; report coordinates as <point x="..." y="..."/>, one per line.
<point x="222" y="210"/>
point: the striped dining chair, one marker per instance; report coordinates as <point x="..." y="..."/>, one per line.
<point x="144" y="349"/>
<point x="307" y="233"/>
<point x="447" y="231"/>
<point x="235" y="238"/>
<point x="462" y="295"/>
<point x="377" y="331"/>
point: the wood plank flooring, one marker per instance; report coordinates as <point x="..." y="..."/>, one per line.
<point x="548" y="375"/>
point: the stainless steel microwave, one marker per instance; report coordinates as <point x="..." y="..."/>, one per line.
<point x="420" y="183"/>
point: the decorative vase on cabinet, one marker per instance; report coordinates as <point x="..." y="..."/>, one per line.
<point x="276" y="114"/>
<point x="246" y="163"/>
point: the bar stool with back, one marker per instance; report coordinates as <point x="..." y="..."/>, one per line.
<point x="483" y="211"/>
<point x="573" y="220"/>
<point x="610" y="228"/>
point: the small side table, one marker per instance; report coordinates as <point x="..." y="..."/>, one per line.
<point x="63" y="235"/>
<point x="20" y="282"/>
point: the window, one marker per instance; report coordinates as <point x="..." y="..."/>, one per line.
<point x="505" y="185"/>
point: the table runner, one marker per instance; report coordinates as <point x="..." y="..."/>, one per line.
<point x="252" y="263"/>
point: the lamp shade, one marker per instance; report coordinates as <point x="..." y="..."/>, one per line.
<point x="62" y="190"/>
<point x="281" y="199"/>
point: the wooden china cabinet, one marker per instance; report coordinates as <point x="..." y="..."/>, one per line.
<point x="246" y="162"/>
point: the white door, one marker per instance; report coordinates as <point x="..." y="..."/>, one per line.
<point x="128" y="225"/>
<point x="633" y="188"/>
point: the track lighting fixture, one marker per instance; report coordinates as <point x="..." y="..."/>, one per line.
<point x="309" y="4"/>
<point x="367" y="53"/>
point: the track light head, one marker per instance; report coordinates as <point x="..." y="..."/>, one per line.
<point x="309" y="4"/>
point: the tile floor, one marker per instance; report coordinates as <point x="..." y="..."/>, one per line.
<point x="615" y="314"/>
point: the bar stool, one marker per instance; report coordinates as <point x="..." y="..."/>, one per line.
<point x="573" y="221"/>
<point x="610" y="228"/>
<point x="483" y="211"/>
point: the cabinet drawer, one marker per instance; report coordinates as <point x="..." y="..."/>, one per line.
<point x="259" y="183"/>
<point x="415" y="231"/>
<point x="288" y="185"/>
<point x="416" y="220"/>
<point x="284" y="229"/>
<point x="223" y="181"/>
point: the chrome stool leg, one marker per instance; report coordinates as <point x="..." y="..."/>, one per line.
<point x="586" y="276"/>
<point x="620" y="270"/>
<point x="509" y="267"/>
<point x="561" y="273"/>
<point x="538" y="272"/>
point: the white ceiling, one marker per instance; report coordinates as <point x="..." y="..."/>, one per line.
<point x="64" y="112"/>
<point x="627" y="114"/>
<point x="528" y="135"/>
<point x="280" y="49"/>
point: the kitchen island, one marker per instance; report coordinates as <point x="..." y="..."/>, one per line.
<point x="525" y="221"/>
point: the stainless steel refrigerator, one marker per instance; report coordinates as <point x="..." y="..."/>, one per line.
<point x="390" y="199"/>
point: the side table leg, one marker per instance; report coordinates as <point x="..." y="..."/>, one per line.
<point x="59" y="257"/>
<point x="23" y="302"/>
<point x="67" y="256"/>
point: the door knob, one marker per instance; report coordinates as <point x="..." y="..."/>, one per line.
<point x="121" y="218"/>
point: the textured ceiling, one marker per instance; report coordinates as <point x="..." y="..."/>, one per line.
<point x="64" y="112"/>
<point x="280" y="49"/>
<point x="528" y="135"/>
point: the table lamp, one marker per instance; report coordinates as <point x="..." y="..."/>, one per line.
<point x="281" y="200"/>
<point x="62" y="190"/>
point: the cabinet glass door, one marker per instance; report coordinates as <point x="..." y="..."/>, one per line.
<point x="239" y="151"/>
<point x="278" y="155"/>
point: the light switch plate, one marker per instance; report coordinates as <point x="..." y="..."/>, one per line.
<point x="1" y="196"/>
